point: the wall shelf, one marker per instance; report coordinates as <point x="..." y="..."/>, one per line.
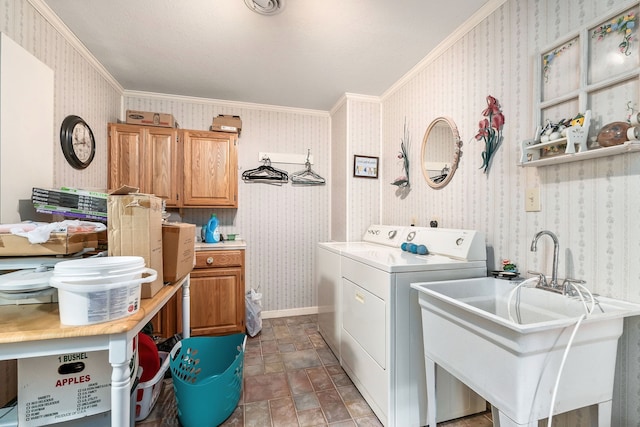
<point x="627" y="147"/>
<point x="576" y="137"/>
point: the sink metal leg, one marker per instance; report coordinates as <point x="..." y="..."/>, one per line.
<point x="430" y="374"/>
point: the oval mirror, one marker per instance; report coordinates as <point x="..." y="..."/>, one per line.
<point x="440" y="152"/>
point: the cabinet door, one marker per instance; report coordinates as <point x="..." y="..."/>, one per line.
<point x="144" y="157"/>
<point x="160" y="172"/>
<point x="125" y="156"/>
<point x="168" y="321"/>
<point x="217" y="301"/>
<point x="210" y="169"/>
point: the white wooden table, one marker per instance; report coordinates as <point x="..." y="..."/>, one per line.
<point x="34" y="330"/>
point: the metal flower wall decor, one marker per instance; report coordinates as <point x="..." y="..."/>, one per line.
<point x="490" y="131"/>
<point x="403" y="155"/>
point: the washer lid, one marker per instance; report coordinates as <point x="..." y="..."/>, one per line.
<point x="25" y="281"/>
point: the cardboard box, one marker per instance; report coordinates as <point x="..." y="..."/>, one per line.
<point x="151" y="118"/>
<point x="52" y="389"/>
<point x="58" y="244"/>
<point x="226" y="123"/>
<point x="178" y="250"/>
<point x="135" y="228"/>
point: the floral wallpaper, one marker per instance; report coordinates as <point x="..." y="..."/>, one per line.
<point x="591" y="205"/>
<point x="279" y="223"/>
<point x="80" y="86"/>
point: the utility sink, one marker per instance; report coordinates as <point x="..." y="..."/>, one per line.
<point x="511" y="356"/>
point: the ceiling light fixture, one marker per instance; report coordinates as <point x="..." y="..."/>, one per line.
<point x="265" y="7"/>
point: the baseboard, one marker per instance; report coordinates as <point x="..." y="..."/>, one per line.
<point x="290" y="312"/>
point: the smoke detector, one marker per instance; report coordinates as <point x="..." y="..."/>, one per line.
<point x="265" y="7"/>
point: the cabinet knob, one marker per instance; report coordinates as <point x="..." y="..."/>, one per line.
<point x="210" y="260"/>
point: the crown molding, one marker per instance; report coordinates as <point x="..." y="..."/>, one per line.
<point x="55" y="21"/>
<point x="363" y="98"/>
<point x="339" y="103"/>
<point x="219" y="102"/>
<point x="482" y="13"/>
<point x="353" y="97"/>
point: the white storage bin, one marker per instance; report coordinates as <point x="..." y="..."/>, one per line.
<point x="147" y="393"/>
<point x="94" y="290"/>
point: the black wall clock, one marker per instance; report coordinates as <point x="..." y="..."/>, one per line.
<point x="77" y="141"/>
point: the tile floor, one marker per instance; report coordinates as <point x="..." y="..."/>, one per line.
<point x="291" y="378"/>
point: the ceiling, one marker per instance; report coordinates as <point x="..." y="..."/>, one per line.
<point x="306" y="56"/>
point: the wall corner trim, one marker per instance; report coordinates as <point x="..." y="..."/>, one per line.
<point x="219" y="102"/>
<point x="489" y="7"/>
<point x="55" y="21"/>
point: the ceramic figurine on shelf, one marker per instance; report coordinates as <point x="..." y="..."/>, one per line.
<point x="567" y="136"/>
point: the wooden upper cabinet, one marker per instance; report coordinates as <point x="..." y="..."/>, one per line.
<point x="125" y="154"/>
<point x="210" y="169"/>
<point x="184" y="167"/>
<point x="161" y="169"/>
<point x="144" y="157"/>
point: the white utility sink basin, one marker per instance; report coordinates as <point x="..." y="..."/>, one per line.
<point x="511" y="357"/>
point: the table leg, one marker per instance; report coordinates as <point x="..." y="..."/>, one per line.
<point x="120" y="353"/>
<point x="186" y="308"/>
<point x="430" y="374"/>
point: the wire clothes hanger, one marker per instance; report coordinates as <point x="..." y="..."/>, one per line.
<point x="266" y="174"/>
<point x="307" y="176"/>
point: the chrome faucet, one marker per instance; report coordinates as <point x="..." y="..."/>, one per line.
<point x="556" y="249"/>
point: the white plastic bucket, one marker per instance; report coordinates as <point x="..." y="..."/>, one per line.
<point x="92" y="290"/>
<point x="101" y="267"/>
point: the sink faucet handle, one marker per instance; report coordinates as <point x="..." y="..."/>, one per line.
<point x="568" y="288"/>
<point x="542" y="280"/>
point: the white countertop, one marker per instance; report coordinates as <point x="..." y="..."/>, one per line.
<point x="224" y="245"/>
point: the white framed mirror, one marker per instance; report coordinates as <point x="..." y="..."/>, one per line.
<point x="441" y="151"/>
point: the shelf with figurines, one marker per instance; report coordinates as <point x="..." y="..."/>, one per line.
<point x="566" y="141"/>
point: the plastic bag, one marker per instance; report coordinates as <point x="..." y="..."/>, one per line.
<point x="253" y="312"/>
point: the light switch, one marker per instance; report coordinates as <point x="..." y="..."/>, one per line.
<point x="532" y="200"/>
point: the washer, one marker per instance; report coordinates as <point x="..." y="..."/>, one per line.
<point x="370" y="316"/>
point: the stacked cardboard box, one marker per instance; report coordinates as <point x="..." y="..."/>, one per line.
<point x="135" y="229"/>
<point x="226" y="123"/>
<point x="178" y="250"/>
<point x="53" y="389"/>
<point x="150" y="118"/>
<point x="59" y="243"/>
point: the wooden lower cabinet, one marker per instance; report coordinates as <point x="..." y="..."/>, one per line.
<point x="168" y="321"/>
<point x="217" y="293"/>
<point x="217" y="304"/>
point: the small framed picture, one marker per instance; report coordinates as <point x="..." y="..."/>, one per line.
<point x="365" y="166"/>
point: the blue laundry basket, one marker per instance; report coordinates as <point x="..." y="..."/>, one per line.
<point x="207" y="378"/>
